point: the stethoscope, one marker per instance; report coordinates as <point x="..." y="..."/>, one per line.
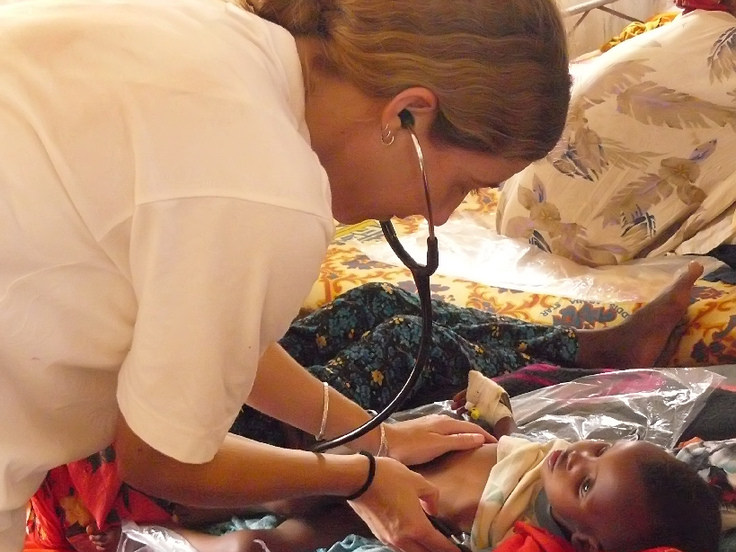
<point x="421" y="274"/>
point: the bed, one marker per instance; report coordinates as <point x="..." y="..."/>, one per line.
<point x="654" y="405"/>
<point x="653" y="181"/>
<point x="710" y="326"/>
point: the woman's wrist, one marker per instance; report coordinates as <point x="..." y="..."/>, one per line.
<point x="374" y="441"/>
<point x="348" y="475"/>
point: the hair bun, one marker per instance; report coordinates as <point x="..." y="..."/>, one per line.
<point x="299" y="17"/>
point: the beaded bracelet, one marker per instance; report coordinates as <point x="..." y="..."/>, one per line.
<point x="369" y="479"/>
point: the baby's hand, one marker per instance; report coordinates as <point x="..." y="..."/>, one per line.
<point x="104" y="541"/>
<point x="458" y="402"/>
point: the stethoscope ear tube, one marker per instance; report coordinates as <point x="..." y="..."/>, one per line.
<point x="421" y="274"/>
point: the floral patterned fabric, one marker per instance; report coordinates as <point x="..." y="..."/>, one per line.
<point x="367" y="340"/>
<point x="645" y="165"/>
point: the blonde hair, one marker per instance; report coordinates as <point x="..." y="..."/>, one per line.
<point x="499" y="68"/>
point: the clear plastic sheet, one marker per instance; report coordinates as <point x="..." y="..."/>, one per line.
<point x="655" y="405"/>
<point x="471" y="248"/>
<point x="151" y="538"/>
<point x="649" y="405"/>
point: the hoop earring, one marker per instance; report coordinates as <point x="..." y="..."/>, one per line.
<point x="387" y="137"/>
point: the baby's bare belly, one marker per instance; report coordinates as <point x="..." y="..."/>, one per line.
<point x="460" y="478"/>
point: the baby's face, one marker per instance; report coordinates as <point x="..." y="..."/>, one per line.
<point x="594" y="488"/>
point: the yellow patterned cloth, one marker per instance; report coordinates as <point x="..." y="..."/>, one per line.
<point x="638" y="27"/>
<point x="711" y="318"/>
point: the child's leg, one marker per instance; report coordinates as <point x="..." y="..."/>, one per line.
<point x="364" y="345"/>
<point x="372" y="370"/>
<point x="305" y="507"/>
<point x="643" y="339"/>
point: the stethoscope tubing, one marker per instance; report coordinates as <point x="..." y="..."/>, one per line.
<point x="421" y="274"/>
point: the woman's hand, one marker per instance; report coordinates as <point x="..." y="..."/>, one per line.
<point x="394" y="508"/>
<point x="420" y="440"/>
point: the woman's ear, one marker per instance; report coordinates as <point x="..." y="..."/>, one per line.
<point x="421" y="102"/>
<point x="583" y="542"/>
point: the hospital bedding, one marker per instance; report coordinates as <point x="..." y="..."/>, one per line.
<point x="710" y="326"/>
<point x="655" y="404"/>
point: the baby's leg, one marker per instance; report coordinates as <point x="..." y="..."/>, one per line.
<point x="293" y="535"/>
<point x="193" y="518"/>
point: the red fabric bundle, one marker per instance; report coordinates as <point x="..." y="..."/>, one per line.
<point x="87" y="493"/>
<point x="528" y="538"/>
<point x="690" y="5"/>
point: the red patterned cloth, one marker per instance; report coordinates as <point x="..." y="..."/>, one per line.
<point x="87" y="493"/>
<point x="527" y="538"/>
<point x="712" y="5"/>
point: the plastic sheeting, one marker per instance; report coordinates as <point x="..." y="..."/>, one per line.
<point x="649" y="405"/>
<point x="655" y="405"/>
<point x="151" y="538"/>
<point x="470" y="248"/>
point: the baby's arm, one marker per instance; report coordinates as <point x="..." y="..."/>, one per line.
<point x="504" y="426"/>
<point x="489" y="402"/>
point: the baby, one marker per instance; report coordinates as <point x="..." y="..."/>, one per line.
<point x="614" y="497"/>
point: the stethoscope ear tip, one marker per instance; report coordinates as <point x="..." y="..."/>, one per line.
<point x="407" y="119"/>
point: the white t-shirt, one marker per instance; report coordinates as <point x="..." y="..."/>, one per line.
<point x="163" y="217"/>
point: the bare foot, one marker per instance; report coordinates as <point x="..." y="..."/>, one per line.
<point x="647" y="335"/>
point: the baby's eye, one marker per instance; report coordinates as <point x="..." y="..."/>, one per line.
<point x="585" y="486"/>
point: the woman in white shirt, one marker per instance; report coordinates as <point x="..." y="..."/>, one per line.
<point x="165" y="204"/>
